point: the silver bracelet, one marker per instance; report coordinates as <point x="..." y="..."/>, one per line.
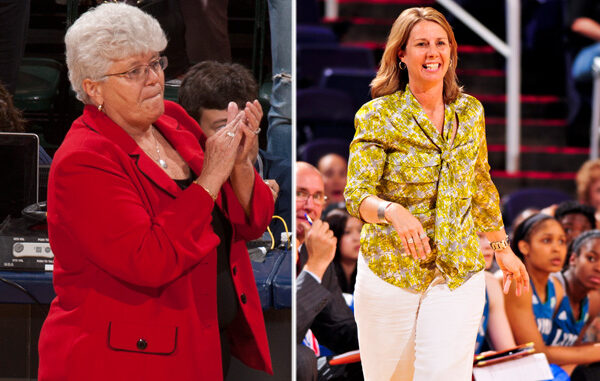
<point x="381" y="211"/>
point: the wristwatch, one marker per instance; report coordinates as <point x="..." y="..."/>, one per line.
<point x="500" y="245"/>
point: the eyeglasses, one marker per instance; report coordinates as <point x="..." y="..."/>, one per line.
<point x="318" y="198"/>
<point x="140" y="72"/>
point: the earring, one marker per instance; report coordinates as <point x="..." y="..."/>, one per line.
<point x="451" y="62"/>
<point x="400" y="65"/>
<point x="100" y="107"/>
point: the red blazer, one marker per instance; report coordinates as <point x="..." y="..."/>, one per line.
<point x="135" y="261"/>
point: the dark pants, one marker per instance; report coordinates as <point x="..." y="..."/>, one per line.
<point x="206" y="33"/>
<point x="14" y="22"/>
<point x="306" y="364"/>
<point x="170" y="18"/>
<point x="225" y="353"/>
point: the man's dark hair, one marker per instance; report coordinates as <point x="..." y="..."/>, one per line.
<point x="212" y="85"/>
<point x="573" y="207"/>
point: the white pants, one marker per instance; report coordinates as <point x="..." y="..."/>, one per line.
<point x="421" y="336"/>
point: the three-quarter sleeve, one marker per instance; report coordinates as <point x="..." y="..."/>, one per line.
<point x="252" y="226"/>
<point x="486" y="201"/>
<point x="367" y="158"/>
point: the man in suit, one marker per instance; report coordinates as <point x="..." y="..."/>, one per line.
<point x="320" y="305"/>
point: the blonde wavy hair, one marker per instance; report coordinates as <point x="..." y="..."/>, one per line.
<point x="390" y="78"/>
<point x="588" y="174"/>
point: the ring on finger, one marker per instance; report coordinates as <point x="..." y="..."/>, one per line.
<point x="230" y="134"/>
<point x="422" y="235"/>
<point x="410" y="241"/>
<point x="257" y="131"/>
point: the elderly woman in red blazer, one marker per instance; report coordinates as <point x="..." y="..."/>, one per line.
<point x="148" y="221"/>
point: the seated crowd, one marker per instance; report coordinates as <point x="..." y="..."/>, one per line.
<point x="560" y="246"/>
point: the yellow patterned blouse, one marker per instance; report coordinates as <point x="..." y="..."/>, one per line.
<point x="398" y="155"/>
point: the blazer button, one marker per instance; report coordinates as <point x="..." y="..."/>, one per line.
<point x="142" y="344"/>
<point x="234" y="270"/>
<point x="243" y="297"/>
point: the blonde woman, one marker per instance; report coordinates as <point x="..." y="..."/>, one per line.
<point x="419" y="177"/>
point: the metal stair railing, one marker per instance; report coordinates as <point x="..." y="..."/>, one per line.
<point x="595" y="127"/>
<point x="512" y="53"/>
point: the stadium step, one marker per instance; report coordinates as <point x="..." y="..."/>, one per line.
<point x="532" y="106"/>
<point x="533" y="131"/>
<point x="508" y="183"/>
<point x="540" y="158"/>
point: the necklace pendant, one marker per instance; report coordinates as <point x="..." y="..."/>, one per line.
<point x="162" y="163"/>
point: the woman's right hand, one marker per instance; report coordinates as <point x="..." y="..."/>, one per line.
<point x="409" y="228"/>
<point x="220" y="152"/>
<point x="512" y="270"/>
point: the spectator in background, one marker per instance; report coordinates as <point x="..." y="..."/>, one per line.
<point x="334" y="169"/>
<point x="494" y="332"/>
<point x="588" y="185"/>
<point x="320" y="307"/>
<point x="541" y="241"/>
<point x="583" y="23"/>
<point x="279" y="133"/>
<point x="575" y="218"/>
<point x="205" y="92"/>
<point x="14" y="22"/>
<point x="206" y="30"/>
<point x="520" y="217"/>
<point x="11" y="121"/>
<point x="347" y="231"/>
<point x="10" y="117"/>
<point x="581" y="304"/>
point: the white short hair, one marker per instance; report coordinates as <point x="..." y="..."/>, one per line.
<point x="107" y="33"/>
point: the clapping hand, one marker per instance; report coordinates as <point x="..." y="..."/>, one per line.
<point x="219" y="158"/>
<point x="274" y="188"/>
<point x="250" y="129"/>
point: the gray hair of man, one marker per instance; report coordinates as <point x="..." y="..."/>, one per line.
<point x="108" y="33"/>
